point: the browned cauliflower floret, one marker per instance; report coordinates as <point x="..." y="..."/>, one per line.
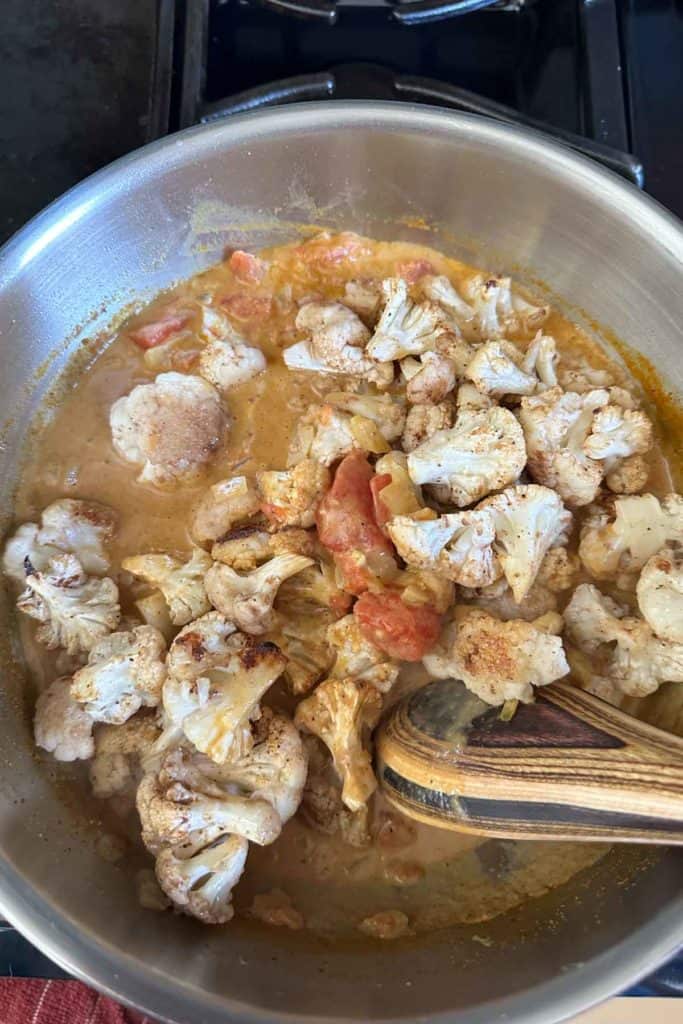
<point x="496" y="369"/>
<point x="336" y="343"/>
<point x="61" y="726"/>
<point x="617" y="433"/>
<point x="339" y="711"/>
<point x="346" y="422"/>
<point x="74" y="610"/>
<point x="558" y="570"/>
<point x="423" y="421"/>
<point x="125" y="672"/>
<point x="630" y="653"/>
<point x="245" y="547"/>
<point x="116" y="768"/>
<point x="291" y="497"/>
<point x="406" y="328"/>
<point x="620" y="536"/>
<point x="489" y="308"/>
<point x="363" y="297"/>
<point x="472" y="399"/>
<point x="226" y="360"/>
<point x="302" y="639"/>
<point x="248" y="599"/>
<point x="429" y="378"/>
<point x="68" y="526"/>
<point x="181" y="583"/>
<point x="171" y="427"/>
<point x="459" y="545"/>
<point x="660" y="594"/>
<point x="358" y="658"/>
<point x="223" y="506"/>
<point x="483" y="452"/>
<point x="322" y="808"/>
<point x="629" y="475"/>
<point x="201" y="884"/>
<point x="500" y="661"/>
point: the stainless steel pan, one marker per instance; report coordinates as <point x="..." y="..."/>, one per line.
<point x="474" y="188"/>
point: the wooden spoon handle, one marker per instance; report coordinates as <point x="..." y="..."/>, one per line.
<point x="569" y="766"/>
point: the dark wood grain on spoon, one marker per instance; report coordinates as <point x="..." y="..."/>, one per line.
<point x="569" y="766"/>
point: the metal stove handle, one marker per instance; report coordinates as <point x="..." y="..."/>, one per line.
<point x="420" y="12"/>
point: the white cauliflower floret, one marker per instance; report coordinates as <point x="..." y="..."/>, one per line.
<point x="497" y="311"/>
<point x="439" y="289"/>
<point x="500" y="661"/>
<point x="472" y="399"/>
<point x="171" y="427"/>
<point x="558" y="570"/>
<point x="634" y="658"/>
<point x="406" y="328"/>
<point x="637" y="528"/>
<point x="291" y="497"/>
<point x="226" y="360"/>
<point x="68" y="526"/>
<point x="181" y="583"/>
<point x="528" y="520"/>
<point x="336" y="344"/>
<point x="363" y="297"/>
<point x="223" y="506"/>
<point x="617" y="433"/>
<point x="584" y="380"/>
<point x="219" y="727"/>
<point x="346" y="422"/>
<point x="556" y="424"/>
<point x="483" y="452"/>
<point x="423" y="421"/>
<point x="116" y="768"/>
<point x="339" y="711"/>
<point x="248" y="599"/>
<point x="274" y="769"/>
<point x="358" y="658"/>
<point x="459" y="545"/>
<point x="660" y="594"/>
<point x="496" y="369"/>
<point x="542" y="358"/>
<point x="201" y="885"/>
<point x="629" y="475"/>
<point x="124" y="672"/>
<point x="323" y="434"/>
<point x="74" y="610"/>
<point x="61" y="726"/>
<point x="429" y="378"/>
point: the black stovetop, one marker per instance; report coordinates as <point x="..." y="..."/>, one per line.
<point x="85" y="81"/>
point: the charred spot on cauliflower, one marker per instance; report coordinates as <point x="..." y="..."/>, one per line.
<point x="222" y="507"/>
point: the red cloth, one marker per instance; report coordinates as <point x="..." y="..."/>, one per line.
<point x="35" y="1001"/>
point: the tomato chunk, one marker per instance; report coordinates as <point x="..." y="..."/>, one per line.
<point x="377" y="484"/>
<point x="401" y="630"/>
<point x="246" y="267"/>
<point x="247" y="307"/>
<point x="412" y="270"/>
<point x="347" y="525"/>
<point x="159" y="331"/>
<point x="333" y="250"/>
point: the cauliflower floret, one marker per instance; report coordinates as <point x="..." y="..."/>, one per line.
<point x="244" y="548"/>
<point x="558" y="570"/>
<point x="423" y="421"/>
<point x="302" y="639"/>
<point x="633" y="657"/>
<point x="171" y="427"/>
<point x="363" y="297"/>
<point x="629" y="475"/>
<point x="483" y="452"/>
<point x="584" y="380"/>
<point x="459" y="545"/>
<point x="201" y="885"/>
<point x="202" y="645"/>
<point x="439" y="289"/>
<point x="556" y="424"/>
<point x="406" y="328"/>
<point x="339" y="711"/>
<point x="500" y="661"/>
<point x="124" y="672"/>
<point x="542" y="358"/>
<point x="61" y="726"/>
<point x="223" y="506"/>
<point x="74" y="610"/>
<point x="622" y="542"/>
<point x="336" y="345"/>
<point x="226" y="359"/>
<point x="388" y="413"/>
<point x="248" y="599"/>
<point x="660" y="594"/>
<point x="528" y="520"/>
<point x="346" y="422"/>
<point x="68" y="526"/>
<point x="274" y="769"/>
<point x="430" y="378"/>
<point x="497" y="311"/>
<point x="471" y="399"/>
<point x="617" y="433"/>
<point x="322" y="808"/>
<point x="116" y="768"/>
<point x="291" y="497"/>
<point x="358" y="658"/>
<point x="181" y="583"/>
<point x="219" y="725"/>
<point x="496" y="369"/>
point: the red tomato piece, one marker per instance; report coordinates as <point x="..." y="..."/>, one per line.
<point x="333" y="251"/>
<point x="246" y="267"/>
<point x="159" y="331"/>
<point x="401" y="630"/>
<point x="377" y="484"/>
<point x="347" y="525"/>
<point x="412" y="270"/>
<point x="247" y="307"/>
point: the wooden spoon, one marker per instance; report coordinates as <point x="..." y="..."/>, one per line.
<point x="569" y="766"/>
